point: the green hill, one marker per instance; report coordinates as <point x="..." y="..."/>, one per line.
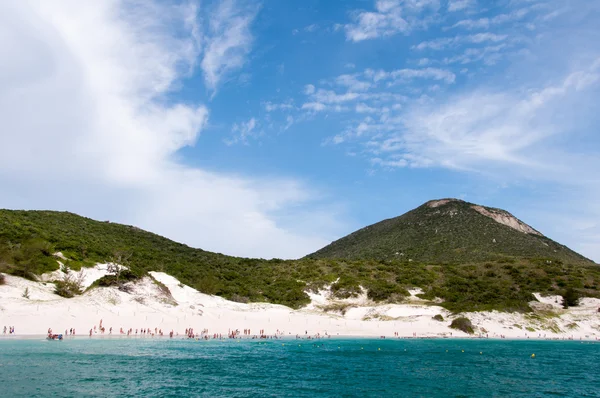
<point x="449" y="231"/>
<point x="29" y="240"/>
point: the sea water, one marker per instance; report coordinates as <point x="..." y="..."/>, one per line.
<point x="298" y="368"/>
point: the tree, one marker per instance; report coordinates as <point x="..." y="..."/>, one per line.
<point x="70" y="285"/>
<point x="463" y="324"/>
<point x="570" y="298"/>
<point x="118" y="263"/>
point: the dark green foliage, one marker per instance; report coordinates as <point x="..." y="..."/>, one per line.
<point x="463" y="324"/>
<point x="570" y="298"/>
<point x="29" y="238"/>
<point x="453" y="232"/>
<point x="382" y="290"/>
<point x="438" y="317"/>
<point x="112" y="280"/>
<point x="67" y="288"/>
<point x="347" y="286"/>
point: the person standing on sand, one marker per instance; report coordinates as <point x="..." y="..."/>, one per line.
<point x="4" y="330"/>
<point x="90" y="332"/>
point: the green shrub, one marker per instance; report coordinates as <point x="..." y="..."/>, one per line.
<point x="114" y="280"/>
<point x="346" y="287"/>
<point x="384" y="290"/>
<point x="463" y="324"/>
<point x="67" y="288"/>
<point x="337" y="307"/>
<point x="570" y="298"/>
<point x="287" y="291"/>
<point x="438" y="317"/>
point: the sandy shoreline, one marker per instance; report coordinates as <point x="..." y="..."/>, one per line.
<point x="146" y="306"/>
<point x="40" y="337"/>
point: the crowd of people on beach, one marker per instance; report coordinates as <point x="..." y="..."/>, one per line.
<point x="190" y="333"/>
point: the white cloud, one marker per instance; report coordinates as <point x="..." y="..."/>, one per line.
<point x="314" y="106"/>
<point x="389" y="18"/>
<point x="481" y="23"/>
<point x="489" y="55"/>
<point x="404" y="75"/>
<point x="270" y="106"/>
<point x="504" y="130"/>
<point x="331" y="97"/>
<point x="309" y="89"/>
<point x="243" y="131"/>
<point x="445" y="42"/>
<point x="89" y="125"/>
<point x="512" y="16"/>
<point x="458" y="5"/>
<point x="311" y="28"/>
<point x="483" y="37"/>
<point x="229" y="40"/>
<point x="427" y="73"/>
<point x="364" y="108"/>
<point x="352" y="82"/>
<point x="289" y="121"/>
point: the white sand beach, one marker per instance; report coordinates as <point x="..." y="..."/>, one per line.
<point x="146" y="306"/>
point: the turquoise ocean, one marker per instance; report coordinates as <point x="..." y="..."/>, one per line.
<point x="299" y="368"/>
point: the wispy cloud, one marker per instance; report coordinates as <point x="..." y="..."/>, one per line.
<point x="353" y="82"/>
<point x="314" y="106"/>
<point x="403" y="75"/>
<point x="445" y="42"/>
<point x="311" y="28"/>
<point x="271" y="107"/>
<point x="458" y="5"/>
<point x="489" y="55"/>
<point x="242" y="132"/>
<point x="228" y="41"/>
<point x="390" y="18"/>
<point x="484" y="23"/>
<point x="504" y="130"/>
<point x="361" y="92"/>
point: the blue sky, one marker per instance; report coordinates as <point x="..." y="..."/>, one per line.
<point x="270" y="128"/>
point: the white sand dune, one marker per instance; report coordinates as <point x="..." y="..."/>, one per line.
<point x="147" y="306"/>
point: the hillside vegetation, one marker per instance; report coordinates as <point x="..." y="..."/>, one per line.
<point x="29" y="240"/>
<point x="449" y="231"/>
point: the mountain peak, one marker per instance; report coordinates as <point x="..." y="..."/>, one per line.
<point x="449" y="230"/>
<point x="440" y="202"/>
<point x="500" y="216"/>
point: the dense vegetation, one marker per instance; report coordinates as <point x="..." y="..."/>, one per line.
<point x="28" y="240"/>
<point x="451" y="233"/>
<point x="463" y="324"/>
<point x="570" y="298"/>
